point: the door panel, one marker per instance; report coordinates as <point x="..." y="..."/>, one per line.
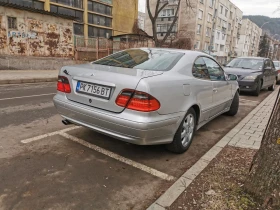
<point x="221" y="87"/>
<point x="203" y="88"/>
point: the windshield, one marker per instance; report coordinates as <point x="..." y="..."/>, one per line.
<point x="246" y="63"/>
<point x="148" y="59"/>
<point x="276" y="64"/>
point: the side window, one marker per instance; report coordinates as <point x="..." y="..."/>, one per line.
<point x="271" y="64"/>
<point x="215" y="71"/>
<point x="266" y="64"/>
<point x="200" y="70"/>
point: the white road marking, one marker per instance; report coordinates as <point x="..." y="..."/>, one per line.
<point x="48" y="94"/>
<point x="241" y="99"/>
<point x="36" y="138"/>
<point x="115" y="156"/>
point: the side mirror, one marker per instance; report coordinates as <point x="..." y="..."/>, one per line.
<point x="232" y="77"/>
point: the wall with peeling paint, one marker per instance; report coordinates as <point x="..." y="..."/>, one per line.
<point x="36" y="35"/>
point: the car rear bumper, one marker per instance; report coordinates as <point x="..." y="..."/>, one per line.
<point x="125" y="126"/>
<point x="247" y="85"/>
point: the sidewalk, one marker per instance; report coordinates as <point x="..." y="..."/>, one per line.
<point x="27" y="76"/>
<point x="246" y="135"/>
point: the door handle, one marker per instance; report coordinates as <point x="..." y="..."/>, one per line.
<point x="215" y="90"/>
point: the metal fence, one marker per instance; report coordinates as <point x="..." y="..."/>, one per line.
<point x="95" y="48"/>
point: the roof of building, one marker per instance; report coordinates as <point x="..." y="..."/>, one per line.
<point x="30" y="9"/>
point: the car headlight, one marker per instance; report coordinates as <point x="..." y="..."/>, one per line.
<point x="251" y="77"/>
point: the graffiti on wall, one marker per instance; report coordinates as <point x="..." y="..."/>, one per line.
<point x="3" y="34"/>
<point x="36" y="38"/>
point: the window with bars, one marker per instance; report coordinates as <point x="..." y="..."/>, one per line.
<point x="12" y="23"/>
<point x="99" y="8"/>
<point x="99" y="32"/>
<point x="71" y="3"/>
<point x="66" y="11"/>
<point x="99" y="20"/>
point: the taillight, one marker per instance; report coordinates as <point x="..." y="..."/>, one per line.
<point x="136" y="100"/>
<point x="63" y="85"/>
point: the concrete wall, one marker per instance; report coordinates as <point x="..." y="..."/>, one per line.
<point x="9" y="62"/>
<point x="36" y="34"/>
<point x="125" y="13"/>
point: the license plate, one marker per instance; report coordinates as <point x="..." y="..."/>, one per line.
<point x="93" y="89"/>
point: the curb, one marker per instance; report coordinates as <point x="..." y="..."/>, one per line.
<point x="33" y="80"/>
<point x="172" y="193"/>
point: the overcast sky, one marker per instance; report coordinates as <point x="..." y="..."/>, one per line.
<point x="249" y="7"/>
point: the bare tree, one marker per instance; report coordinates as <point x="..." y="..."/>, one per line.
<point x="160" y="5"/>
<point x="264" y="177"/>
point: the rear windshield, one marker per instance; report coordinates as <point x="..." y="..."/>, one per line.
<point x="145" y="59"/>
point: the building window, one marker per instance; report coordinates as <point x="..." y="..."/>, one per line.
<point x="221" y="9"/>
<point x="200" y="14"/>
<point x="99" y="8"/>
<point x="217" y="47"/>
<point x="66" y="11"/>
<point x="222" y="48"/>
<point x="229" y="27"/>
<point x="165" y="27"/>
<point x="223" y="36"/>
<point x="167" y="12"/>
<point x="211" y="3"/>
<point x="71" y="3"/>
<point x="201" y="1"/>
<point x="197" y="45"/>
<point x="78" y="29"/>
<point x="208" y="31"/>
<point x="209" y="18"/>
<point x="230" y="16"/>
<point x="99" y="32"/>
<point x="198" y="29"/>
<point x="206" y="46"/>
<point x="12" y="23"/>
<point x="226" y="12"/>
<point x="99" y="20"/>
<point x="218" y="35"/>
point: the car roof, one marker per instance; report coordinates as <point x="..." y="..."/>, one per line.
<point x="177" y="50"/>
<point x="257" y="58"/>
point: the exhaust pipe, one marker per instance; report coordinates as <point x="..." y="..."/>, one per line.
<point x="66" y="122"/>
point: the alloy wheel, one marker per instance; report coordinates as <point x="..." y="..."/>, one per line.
<point x="187" y="130"/>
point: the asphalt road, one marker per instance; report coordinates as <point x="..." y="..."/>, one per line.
<point x="97" y="172"/>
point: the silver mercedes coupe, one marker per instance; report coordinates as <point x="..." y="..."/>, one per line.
<point x="147" y="96"/>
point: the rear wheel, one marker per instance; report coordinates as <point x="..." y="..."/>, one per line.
<point x="259" y="87"/>
<point x="272" y="87"/>
<point x="184" y="135"/>
<point x="234" y="105"/>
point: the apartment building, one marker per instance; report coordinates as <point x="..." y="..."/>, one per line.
<point x="250" y="34"/>
<point x="94" y="18"/>
<point x="141" y="20"/>
<point x="212" y="25"/>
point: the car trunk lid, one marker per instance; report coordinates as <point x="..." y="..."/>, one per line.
<point x="85" y="80"/>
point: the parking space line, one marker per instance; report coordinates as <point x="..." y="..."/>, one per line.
<point x="36" y="138"/>
<point x="115" y="156"/>
<point x="3" y="99"/>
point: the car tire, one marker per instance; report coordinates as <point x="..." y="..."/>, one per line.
<point x="272" y="87"/>
<point x="258" y="90"/>
<point x="185" y="133"/>
<point x="234" y="105"/>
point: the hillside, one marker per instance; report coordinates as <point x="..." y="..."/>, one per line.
<point x="273" y="27"/>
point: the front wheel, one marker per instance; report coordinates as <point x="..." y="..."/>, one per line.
<point x="257" y="91"/>
<point x="234" y="105"/>
<point x="184" y="135"/>
<point x="272" y="87"/>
